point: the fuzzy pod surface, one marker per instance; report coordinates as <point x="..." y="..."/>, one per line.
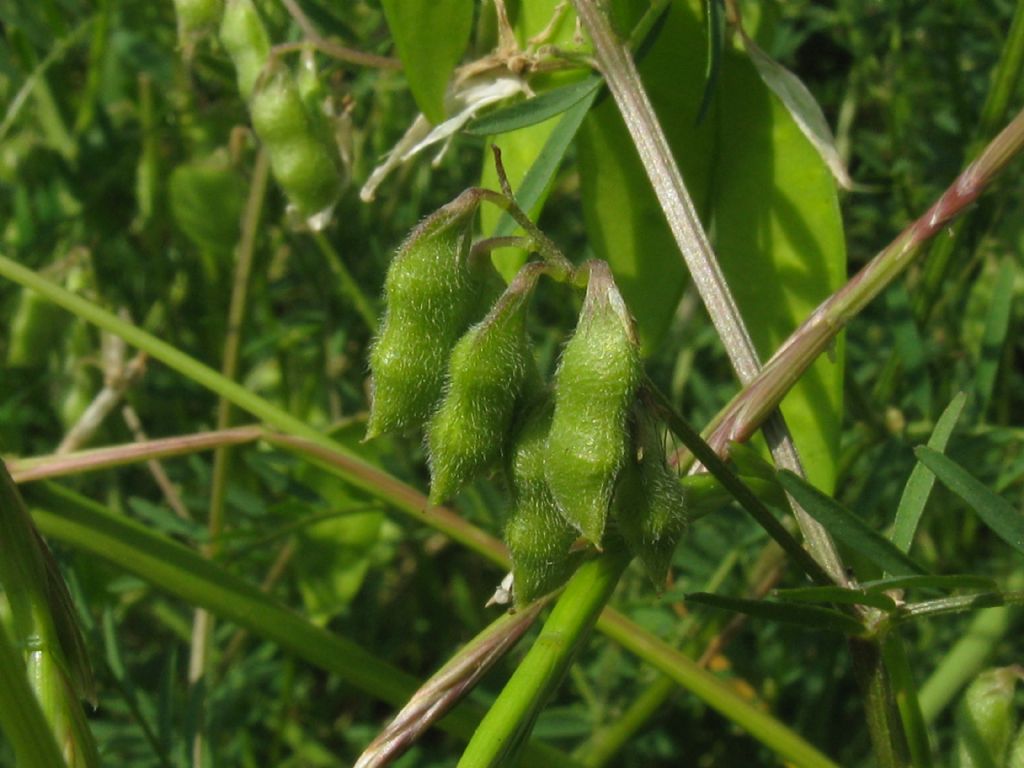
<point x="486" y="373"/>
<point x="650" y="505"/>
<point x="430" y="293"/>
<point x="538" y="538"/>
<point x="245" y="38"/>
<point x="595" y="385"/>
<point x="985" y="718"/>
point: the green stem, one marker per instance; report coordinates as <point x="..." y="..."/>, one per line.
<point x="884" y="725"/>
<point x="608" y="742"/>
<point x="905" y="689"/>
<point x="20" y="716"/>
<point x="746" y="498"/>
<point x="508" y="723"/>
<point x="348" y="284"/>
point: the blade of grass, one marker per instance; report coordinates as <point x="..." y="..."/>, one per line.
<point x="919" y="486"/>
<point x="20" y="715"/>
<point x="808" y="616"/>
<point x="905" y="689"/>
<point x="997" y="324"/>
<point x="997" y="513"/>
<point x="848" y="528"/>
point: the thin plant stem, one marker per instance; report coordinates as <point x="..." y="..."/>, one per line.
<point x="21" y="718"/>
<point x="888" y="741"/>
<point x="623" y="79"/>
<point x="346" y="283"/>
<point x="746" y="498"/>
<point x="607" y="743"/>
<point x="507" y="725"/>
<point x="203" y="621"/>
<point x="894" y="654"/>
<point x="758" y="399"/>
<point x="333" y="49"/>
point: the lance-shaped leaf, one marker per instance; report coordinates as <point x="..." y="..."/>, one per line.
<point x="808" y="616"/>
<point x="996" y="512"/>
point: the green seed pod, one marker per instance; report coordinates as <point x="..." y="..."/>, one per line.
<point x="245" y="38"/>
<point x="430" y="292"/>
<point x="486" y="373"/>
<point x="650" y="505"/>
<point x="594" y="388"/>
<point x="538" y="537"/>
<point x="302" y="163"/>
<point x="985" y="719"/>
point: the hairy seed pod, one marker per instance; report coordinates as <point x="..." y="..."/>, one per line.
<point x="985" y="718"/>
<point x="486" y="373"/>
<point x="430" y="292"/>
<point x="595" y="385"/>
<point x="538" y="537"/>
<point x="650" y="505"/>
<point x="245" y="38"/>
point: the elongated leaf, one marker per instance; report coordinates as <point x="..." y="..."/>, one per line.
<point x="536" y="110"/>
<point x="837" y="595"/>
<point x="996" y="512"/>
<point x="761" y="190"/>
<point x="802" y="106"/>
<point x="714" y="13"/>
<point x="177" y="570"/>
<point x="997" y="324"/>
<point x="919" y="486"/>
<point x="847" y="528"/>
<point x="431" y="36"/>
<point x="942" y="581"/>
<point x="809" y="616"/>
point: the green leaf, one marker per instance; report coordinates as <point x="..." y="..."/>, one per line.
<point x="997" y="513"/>
<point x="847" y="528"/>
<point x="431" y="36"/>
<point x="761" y="190"/>
<point x="997" y="324"/>
<point x="943" y="581"/>
<point x="839" y="595"/>
<point x="536" y="110"/>
<point x="919" y="485"/>
<point x="714" y="12"/>
<point x="809" y="616"/>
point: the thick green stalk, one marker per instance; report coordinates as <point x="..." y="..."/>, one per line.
<point x="21" y="718"/>
<point x="508" y="723"/>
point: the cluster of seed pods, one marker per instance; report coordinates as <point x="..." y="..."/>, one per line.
<point x="584" y="461"/>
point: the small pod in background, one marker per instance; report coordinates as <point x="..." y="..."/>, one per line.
<point x="595" y="386"/>
<point x="430" y="293"/>
<point x="486" y="373"/>
<point x="1017" y="750"/>
<point x="243" y="35"/>
<point x="195" y="19"/>
<point x="303" y="164"/>
<point x="650" y="505"/>
<point x="985" y="718"/>
<point x="537" y="536"/>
